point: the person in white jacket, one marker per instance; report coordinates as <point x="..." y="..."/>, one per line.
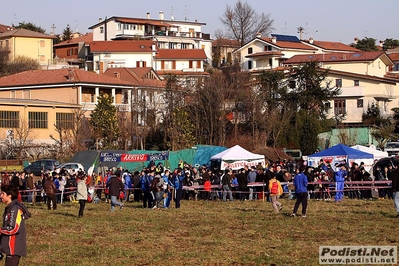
<point x="82" y="194"/>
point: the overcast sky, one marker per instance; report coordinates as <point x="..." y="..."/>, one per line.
<point x="332" y="20"/>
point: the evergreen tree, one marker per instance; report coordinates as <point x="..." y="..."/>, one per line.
<point x="104" y="122"/>
<point x="67" y="33"/>
<point x="366" y="44"/>
<point x="29" y="26"/>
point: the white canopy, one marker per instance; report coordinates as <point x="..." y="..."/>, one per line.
<point x="237" y="157"/>
<point x="376" y="153"/>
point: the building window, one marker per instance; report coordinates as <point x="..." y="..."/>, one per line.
<point x="327" y="105"/>
<point x="190" y="64"/>
<point x="125" y="96"/>
<point x="119" y="27"/>
<point x="270" y="62"/>
<point x="338" y="83"/>
<point x="199" y="64"/>
<point x="359" y="103"/>
<point x="101" y="29"/>
<point x="9" y="119"/>
<point x="339" y="107"/>
<point x="13" y="94"/>
<point x="38" y="120"/>
<point x="42" y="43"/>
<point x="356" y="83"/>
<point x="76" y="51"/>
<point x="64" y="120"/>
<point x="42" y="58"/>
<point x="250" y="50"/>
<point x="249" y="64"/>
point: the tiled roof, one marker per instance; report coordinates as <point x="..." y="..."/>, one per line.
<point x="289" y="45"/>
<point x="135" y="76"/>
<point x="58" y="76"/>
<point x="225" y="42"/>
<point x="394" y="56"/>
<point x="4" y="28"/>
<point x="152" y="22"/>
<point x="88" y="37"/>
<point x="335" y="57"/>
<point x="25" y="33"/>
<point x="181" y="54"/>
<point x="265" y="53"/>
<point x="350" y="74"/>
<point x="137" y="46"/>
<point x="333" y="46"/>
<point x="155" y="22"/>
<point x="37" y="102"/>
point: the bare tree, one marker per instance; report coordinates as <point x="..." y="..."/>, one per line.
<point x="20" y="139"/>
<point x="244" y="23"/>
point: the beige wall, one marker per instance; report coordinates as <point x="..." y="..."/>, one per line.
<point x="41" y="135"/>
<point x="376" y="68"/>
<point x="66" y="94"/>
<point x="36" y="48"/>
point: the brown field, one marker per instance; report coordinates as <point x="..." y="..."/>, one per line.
<point x="204" y="233"/>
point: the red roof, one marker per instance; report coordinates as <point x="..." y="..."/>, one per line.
<point x="335" y="57"/>
<point x="137" y="46"/>
<point x="135" y="76"/>
<point x="226" y="42"/>
<point x="58" y="76"/>
<point x="197" y="54"/>
<point x="25" y="33"/>
<point x="265" y="53"/>
<point x="4" y="28"/>
<point x="394" y="56"/>
<point x="288" y="45"/>
<point x="334" y="46"/>
<point x="88" y="37"/>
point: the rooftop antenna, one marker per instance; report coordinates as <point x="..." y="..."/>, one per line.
<point x="185" y="13"/>
<point x="171" y="14"/>
<point x="76" y="27"/>
<point x="15" y="20"/>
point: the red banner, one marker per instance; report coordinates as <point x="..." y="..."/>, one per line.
<point x="128" y="158"/>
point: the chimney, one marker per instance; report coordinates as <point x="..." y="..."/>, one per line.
<point x="160" y="15"/>
<point x="117" y="75"/>
<point x="311" y="40"/>
<point x="70" y="74"/>
<point x="258" y="35"/>
<point x="381" y="43"/>
<point x="274" y="39"/>
<point x="148" y="15"/>
<point x="100" y="20"/>
<point x="356" y="40"/>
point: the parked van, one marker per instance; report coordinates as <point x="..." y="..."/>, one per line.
<point x="392" y="148"/>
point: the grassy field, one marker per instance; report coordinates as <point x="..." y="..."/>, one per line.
<point x="204" y="233"/>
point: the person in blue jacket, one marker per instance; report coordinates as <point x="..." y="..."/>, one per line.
<point x="178" y="178"/>
<point x="301" y="192"/>
<point x="127" y="184"/>
<point x="339" y="182"/>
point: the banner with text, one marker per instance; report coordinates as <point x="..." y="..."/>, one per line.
<point x="129" y="158"/>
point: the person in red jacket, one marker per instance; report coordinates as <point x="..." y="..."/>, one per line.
<point x="207" y="188"/>
<point x="13" y="231"/>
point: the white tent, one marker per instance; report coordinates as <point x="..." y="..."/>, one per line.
<point x="237" y="157"/>
<point x="376" y="153"/>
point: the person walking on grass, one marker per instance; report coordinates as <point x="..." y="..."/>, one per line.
<point x="115" y="186"/>
<point x="301" y="192"/>
<point x="276" y="190"/>
<point x="395" y="188"/>
<point x="340" y="176"/>
<point x="13" y="231"/>
<point x="81" y="194"/>
<point x="49" y="188"/>
<point x="226" y="182"/>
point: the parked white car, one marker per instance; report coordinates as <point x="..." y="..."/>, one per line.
<point x="70" y="167"/>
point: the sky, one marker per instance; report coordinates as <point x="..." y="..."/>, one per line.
<point x="333" y="20"/>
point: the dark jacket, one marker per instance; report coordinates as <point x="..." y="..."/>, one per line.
<point x="395" y="180"/>
<point x="49" y="187"/>
<point x="242" y="181"/>
<point x="13" y="231"/>
<point x="115" y="185"/>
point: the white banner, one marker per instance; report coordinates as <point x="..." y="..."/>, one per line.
<point x="241" y="163"/>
